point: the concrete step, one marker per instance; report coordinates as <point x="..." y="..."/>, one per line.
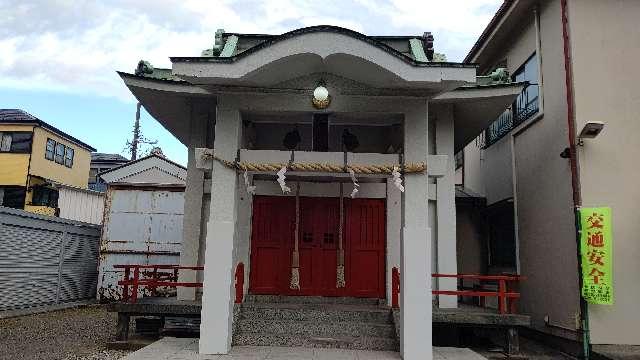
<point x="319" y="313"/>
<point x="316" y="329"/>
<point x="354" y="343"/>
<point x="278" y="299"/>
<point x="181" y="326"/>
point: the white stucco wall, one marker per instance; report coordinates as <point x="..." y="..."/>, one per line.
<point x="543" y="200"/>
<point x="606" y="89"/>
<point x="497" y="171"/>
<point x="526" y="164"/>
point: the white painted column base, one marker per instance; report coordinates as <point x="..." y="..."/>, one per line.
<point x="217" y="302"/>
<point x="415" y="301"/>
<point x="217" y="299"/>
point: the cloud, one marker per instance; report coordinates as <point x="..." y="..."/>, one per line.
<point x="76" y="46"/>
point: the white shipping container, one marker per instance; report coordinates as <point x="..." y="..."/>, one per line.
<point x="142" y="226"/>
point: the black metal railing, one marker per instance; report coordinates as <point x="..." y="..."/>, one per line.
<point x="524" y="107"/>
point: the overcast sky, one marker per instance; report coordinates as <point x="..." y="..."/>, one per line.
<point x="58" y="58"/>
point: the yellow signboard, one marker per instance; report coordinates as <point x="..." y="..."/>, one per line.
<point x="596" y="247"/>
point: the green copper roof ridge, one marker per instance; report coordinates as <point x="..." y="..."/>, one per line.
<point x="417" y="50"/>
<point x="209" y="55"/>
<point x="229" y="46"/>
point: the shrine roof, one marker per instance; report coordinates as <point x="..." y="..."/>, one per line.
<point x="415" y="50"/>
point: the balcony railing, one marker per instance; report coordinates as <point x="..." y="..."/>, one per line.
<point x="525" y="106"/>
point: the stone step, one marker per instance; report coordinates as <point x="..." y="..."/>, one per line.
<point x="278" y="299"/>
<point x="181" y="326"/>
<point x="317" y="329"/>
<point x="354" y="343"/>
<point x="319" y="313"/>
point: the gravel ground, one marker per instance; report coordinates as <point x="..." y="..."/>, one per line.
<point x="72" y="334"/>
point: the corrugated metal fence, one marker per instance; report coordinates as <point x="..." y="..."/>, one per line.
<point x="81" y="204"/>
<point x="46" y="260"/>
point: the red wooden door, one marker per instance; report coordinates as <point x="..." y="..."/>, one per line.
<point x="273" y="226"/>
<point x="272" y="244"/>
<point x="365" y="233"/>
<point x="319" y="222"/>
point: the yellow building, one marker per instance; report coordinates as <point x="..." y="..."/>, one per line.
<point x="35" y="157"/>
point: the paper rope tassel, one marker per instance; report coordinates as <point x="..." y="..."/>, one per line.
<point x="340" y="282"/>
<point x="295" y="279"/>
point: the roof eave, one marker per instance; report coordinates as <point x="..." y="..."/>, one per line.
<point x="139" y="160"/>
<point x="492" y="27"/>
<point x="40" y="123"/>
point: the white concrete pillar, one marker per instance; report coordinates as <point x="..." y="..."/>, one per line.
<point x="194" y="192"/>
<point x="217" y="299"/>
<point x="446" y="207"/>
<point x="415" y="251"/>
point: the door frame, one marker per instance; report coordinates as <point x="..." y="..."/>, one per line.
<point x="286" y="251"/>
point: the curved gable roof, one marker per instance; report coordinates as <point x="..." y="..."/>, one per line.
<point x="270" y="40"/>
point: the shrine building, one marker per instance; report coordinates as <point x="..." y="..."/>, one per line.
<point x="322" y="160"/>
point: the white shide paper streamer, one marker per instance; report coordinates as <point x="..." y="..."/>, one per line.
<point x="281" y="178"/>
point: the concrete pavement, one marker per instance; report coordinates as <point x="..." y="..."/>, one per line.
<point x="187" y="349"/>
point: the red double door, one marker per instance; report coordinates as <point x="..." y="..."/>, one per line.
<point x="273" y="243"/>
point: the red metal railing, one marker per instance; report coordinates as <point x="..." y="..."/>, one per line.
<point x="150" y="277"/>
<point x="506" y="297"/>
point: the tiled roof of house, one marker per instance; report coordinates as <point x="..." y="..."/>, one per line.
<point x="19" y="116"/>
<point x="14" y="115"/>
<point x="107" y="157"/>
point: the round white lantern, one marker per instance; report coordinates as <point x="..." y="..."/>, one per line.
<point x="321" y="93"/>
<point x="321" y="98"/>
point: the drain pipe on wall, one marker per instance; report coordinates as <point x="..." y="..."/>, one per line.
<point x="575" y="179"/>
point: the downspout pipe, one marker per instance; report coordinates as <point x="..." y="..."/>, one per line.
<point x="575" y="179"/>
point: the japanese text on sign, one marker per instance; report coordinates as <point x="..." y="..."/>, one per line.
<point x="596" y="248"/>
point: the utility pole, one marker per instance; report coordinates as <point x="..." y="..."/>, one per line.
<point x="136" y="134"/>
<point x="133" y="146"/>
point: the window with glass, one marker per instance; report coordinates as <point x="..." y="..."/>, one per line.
<point x="68" y="157"/>
<point x="59" y="153"/>
<point x="12" y="196"/>
<point x="59" y="157"/>
<point x="526" y="104"/>
<point x="45" y="196"/>
<point x="50" y="149"/>
<point x="93" y="173"/>
<point x="5" y="142"/>
<point x="16" y="142"/>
